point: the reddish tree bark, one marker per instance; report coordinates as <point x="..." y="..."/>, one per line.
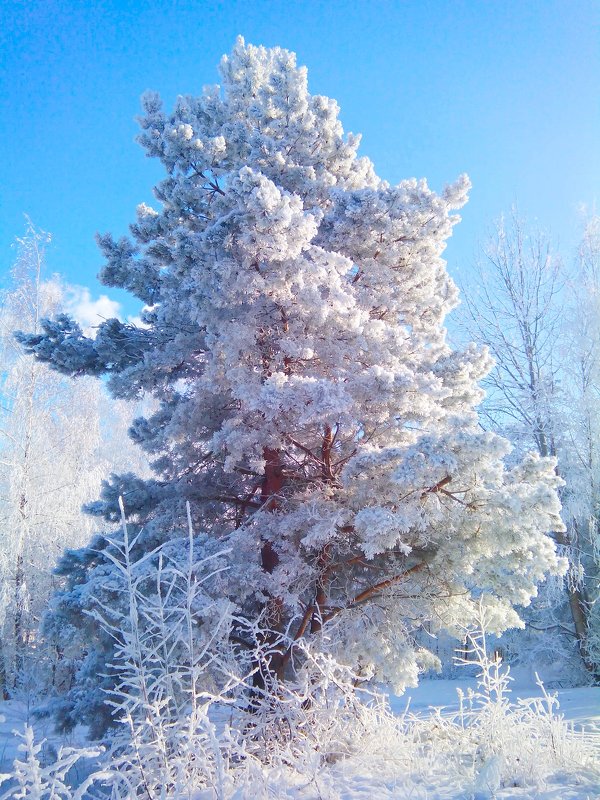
<point x="270" y="493"/>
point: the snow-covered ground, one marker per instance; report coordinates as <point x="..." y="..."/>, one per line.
<point x="578" y="706"/>
<point x="581" y="705"/>
<point x="432" y="778"/>
<point x="391" y="774"/>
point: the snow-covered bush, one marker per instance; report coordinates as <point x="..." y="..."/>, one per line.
<point x="190" y="713"/>
<point x="497" y="743"/>
<point x="174" y="669"/>
<point x="321" y="734"/>
<point x="35" y="779"/>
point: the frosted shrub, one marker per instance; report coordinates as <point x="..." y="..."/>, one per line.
<point x="191" y="717"/>
<point x="176" y="671"/>
<point x="32" y="779"/>
<point x="192" y="724"/>
<point x="323" y="710"/>
<point x="500" y="743"/>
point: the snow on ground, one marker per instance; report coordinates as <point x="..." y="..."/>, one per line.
<point x="579" y="705"/>
<point x="389" y="776"/>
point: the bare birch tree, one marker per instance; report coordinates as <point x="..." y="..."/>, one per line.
<point x="54" y="450"/>
<point x="538" y="330"/>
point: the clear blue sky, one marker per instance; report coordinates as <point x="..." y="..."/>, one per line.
<point x="506" y="90"/>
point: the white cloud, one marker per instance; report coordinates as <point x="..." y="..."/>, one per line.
<point x="137" y="322"/>
<point x="87" y="312"/>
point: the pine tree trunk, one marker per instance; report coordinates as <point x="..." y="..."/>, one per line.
<point x="271" y="487"/>
<point x="578" y="612"/>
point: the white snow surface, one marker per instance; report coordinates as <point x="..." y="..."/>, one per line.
<point x="579" y="705"/>
<point x="378" y="777"/>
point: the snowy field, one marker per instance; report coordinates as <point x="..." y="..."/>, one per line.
<point x="379" y="774"/>
<point x="581" y="705"/>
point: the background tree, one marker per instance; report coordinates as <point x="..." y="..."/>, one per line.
<point x="542" y="330"/>
<point x="48" y="432"/>
<point x="514" y="308"/>
<point x="581" y="455"/>
<point x="54" y="449"/>
<point x="310" y="409"/>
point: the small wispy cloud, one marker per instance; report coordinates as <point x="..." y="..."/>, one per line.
<point x="78" y="303"/>
<point x="137" y="321"/>
<point x="87" y="311"/>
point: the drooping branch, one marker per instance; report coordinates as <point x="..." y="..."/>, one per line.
<point x="372" y="591"/>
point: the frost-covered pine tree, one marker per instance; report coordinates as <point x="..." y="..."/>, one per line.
<point x="311" y="411"/>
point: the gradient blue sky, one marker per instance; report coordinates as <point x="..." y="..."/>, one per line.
<point x="506" y="91"/>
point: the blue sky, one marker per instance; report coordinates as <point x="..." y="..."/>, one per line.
<point x="506" y="91"/>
